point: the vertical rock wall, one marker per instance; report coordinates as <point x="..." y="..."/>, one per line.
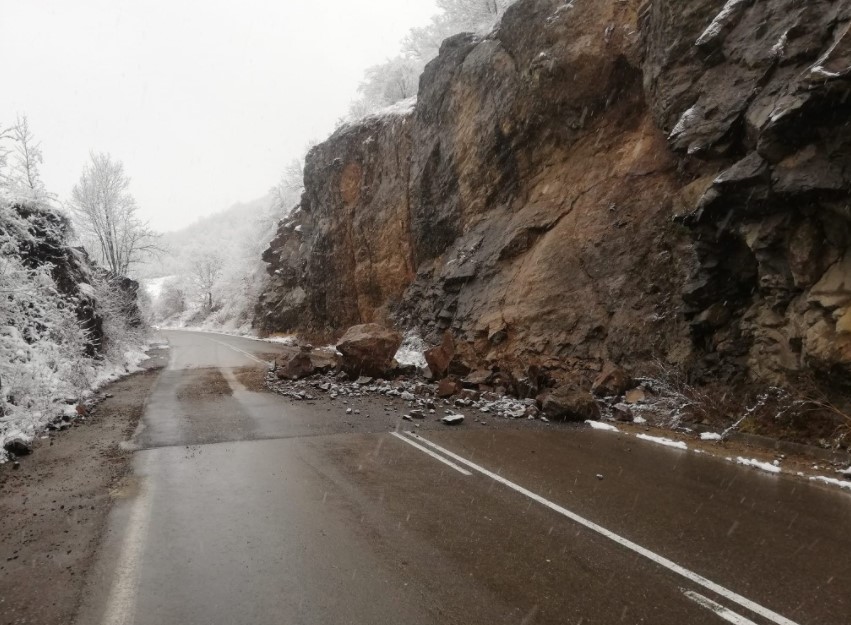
<point x="597" y="180"/>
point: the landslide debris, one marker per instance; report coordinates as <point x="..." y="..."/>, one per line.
<point x="602" y="181"/>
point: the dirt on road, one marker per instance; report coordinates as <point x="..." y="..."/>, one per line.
<point x="54" y="505"/>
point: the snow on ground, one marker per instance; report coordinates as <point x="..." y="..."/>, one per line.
<point x="832" y="481"/>
<point x="598" y="425"/>
<point x="757" y="464"/>
<point x="710" y="436"/>
<point x="282" y="340"/>
<point x="661" y="440"/>
<point x="54" y="392"/>
<point x="402" y="107"/>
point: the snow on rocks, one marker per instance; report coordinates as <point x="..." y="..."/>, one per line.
<point x="725" y="18"/>
<point x="18" y="444"/>
<point x="412" y="352"/>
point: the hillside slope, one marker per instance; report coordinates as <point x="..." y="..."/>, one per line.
<point x="66" y="326"/>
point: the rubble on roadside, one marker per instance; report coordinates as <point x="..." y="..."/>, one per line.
<point x="422" y="397"/>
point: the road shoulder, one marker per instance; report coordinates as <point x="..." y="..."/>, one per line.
<point x="53" y="507"/>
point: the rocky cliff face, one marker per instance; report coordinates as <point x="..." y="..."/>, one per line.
<point x="597" y="180"/>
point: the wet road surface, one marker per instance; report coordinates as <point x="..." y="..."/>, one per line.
<point x="248" y="508"/>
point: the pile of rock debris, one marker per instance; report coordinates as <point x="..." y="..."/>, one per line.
<point x="363" y="365"/>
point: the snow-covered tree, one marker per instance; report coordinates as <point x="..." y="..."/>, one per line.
<point x="398" y="78"/>
<point x="288" y="190"/>
<point x="392" y="81"/>
<point x="206" y="270"/>
<point x="106" y="215"/>
<point x="24" y="178"/>
<point x="172" y="300"/>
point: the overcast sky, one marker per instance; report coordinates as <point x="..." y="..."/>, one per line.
<point x="205" y="101"/>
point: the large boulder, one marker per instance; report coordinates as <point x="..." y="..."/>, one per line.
<point x="438" y="358"/>
<point x="295" y="366"/>
<point x="612" y="381"/>
<point x="368" y="349"/>
<point x="568" y="403"/>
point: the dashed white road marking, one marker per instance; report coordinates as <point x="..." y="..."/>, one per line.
<point x="244" y="353"/>
<point x="717" y="608"/>
<point x="736" y="598"/>
<point x="431" y="453"/>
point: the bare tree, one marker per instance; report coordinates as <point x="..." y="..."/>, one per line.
<point x="25" y="178"/>
<point x="286" y="193"/>
<point x="206" y="270"/>
<point x="172" y="301"/>
<point x="106" y="214"/>
<point x="5" y="136"/>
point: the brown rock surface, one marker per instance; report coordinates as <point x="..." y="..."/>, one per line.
<point x="604" y="181"/>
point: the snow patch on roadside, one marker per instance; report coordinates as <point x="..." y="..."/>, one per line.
<point x="281" y="340"/>
<point x="597" y="425"/>
<point x="710" y="436"/>
<point x="757" y="464"/>
<point x="832" y="481"/>
<point x="661" y="440"/>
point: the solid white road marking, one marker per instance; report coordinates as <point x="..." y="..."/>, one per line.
<point x="431" y="453"/>
<point x="244" y="353"/>
<point x="624" y="542"/>
<point x="121" y="603"/>
<point x="720" y="610"/>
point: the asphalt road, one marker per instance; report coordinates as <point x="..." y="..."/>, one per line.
<point x="248" y="508"/>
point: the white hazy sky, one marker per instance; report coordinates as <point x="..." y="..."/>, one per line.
<point x="205" y="101"/>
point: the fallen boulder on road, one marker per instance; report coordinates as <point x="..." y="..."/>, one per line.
<point x="453" y="419"/>
<point x="368" y="349"/>
<point x="568" y="403"/>
<point x="304" y="363"/>
<point x="295" y="367"/>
